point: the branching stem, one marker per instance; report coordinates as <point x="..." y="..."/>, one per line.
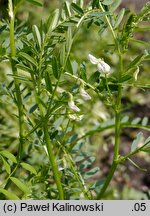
<point x="117" y="110"/>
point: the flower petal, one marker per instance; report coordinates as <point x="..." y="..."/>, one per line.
<point x="103" y="67"/>
<point x="72" y="105"/>
<point x="84" y="94"/>
<point x="80" y="117"/>
<point x="93" y="59"/>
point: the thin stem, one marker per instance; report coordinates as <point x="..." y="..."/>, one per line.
<point x="45" y="118"/>
<point x="111" y="101"/>
<point x="117" y="110"/>
<point x="85" y="83"/>
<point x="116" y="147"/>
<point x="46" y="134"/>
<point x="78" y="176"/>
<point x="76" y="173"/>
<point x="16" y="82"/>
<point x="111" y="29"/>
<point x="53" y="162"/>
<point x="107" y="181"/>
<point x="17" y="90"/>
<point x="117" y="124"/>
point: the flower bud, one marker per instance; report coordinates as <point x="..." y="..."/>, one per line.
<point x="83" y="93"/>
<point x="136" y="73"/>
<point x="71" y="104"/>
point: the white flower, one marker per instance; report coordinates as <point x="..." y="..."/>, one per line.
<point x="101" y="65"/>
<point x="84" y="94"/>
<point x="136" y="73"/>
<point x="72" y="105"/>
<point x="72" y="117"/>
<point x="80" y="117"/>
<point x="75" y="117"/>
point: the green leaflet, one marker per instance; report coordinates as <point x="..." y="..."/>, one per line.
<point x="25" y="68"/>
<point x="28" y="167"/>
<point x="53" y="21"/>
<point x="77" y="9"/>
<point x="67" y="8"/>
<point x="136" y="120"/>
<point x="97" y="184"/>
<point x="55" y="67"/>
<point x="9" y="195"/>
<point x="36" y="3"/>
<point x="28" y="58"/>
<point x="119" y="18"/>
<point x="48" y="82"/>
<point x="137" y="61"/>
<point x="6" y="166"/>
<point x="115" y="5"/>
<point x="144" y="121"/>
<point x="107" y="2"/>
<point x="69" y="39"/>
<point x="136" y="141"/>
<point x="33" y="108"/>
<point x="20" y="185"/>
<point x="91" y="172"/>
<point x="37" y="35"/>
<point x="8" y="155"/>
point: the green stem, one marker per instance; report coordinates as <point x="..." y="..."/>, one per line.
<point x="117" y="123"/>
<point x="111" y="29"/>
<point x="116" y="147"/>
<point x="107" y="181"/>
<point x="45" y="123"/>
<point x="78" y="177"/>
<point x="18" y="92"/>
<point x="17" y="87"/>
<point x="117" y="116"/>
<point x="53" y="162"/>
<point x="85" y="83"/>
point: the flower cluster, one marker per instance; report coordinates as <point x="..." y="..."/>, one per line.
<point x="102" y="68"/>
<point x="72" y="105"/>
